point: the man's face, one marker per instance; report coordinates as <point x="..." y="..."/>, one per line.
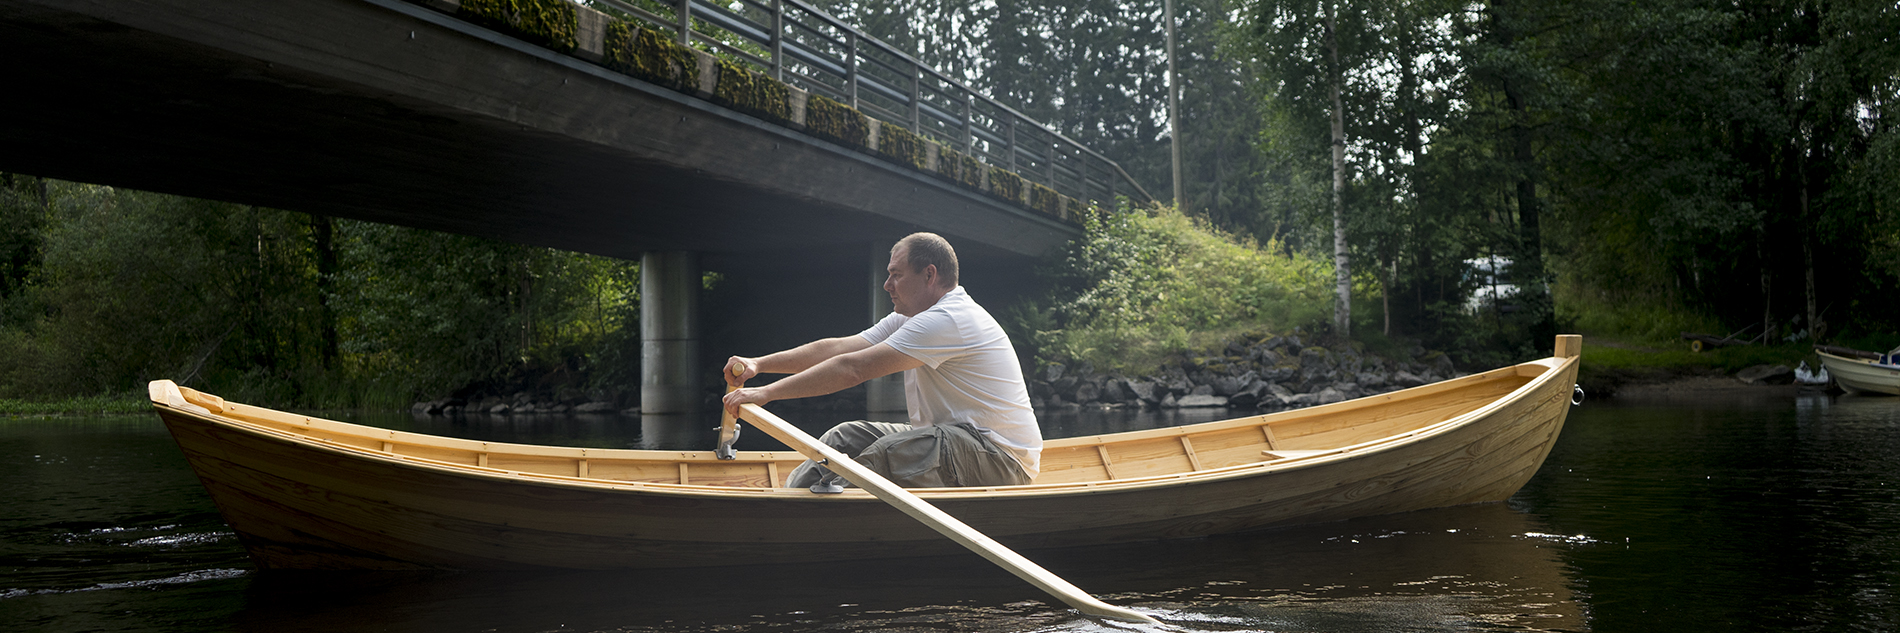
<point x="911" y="291"/>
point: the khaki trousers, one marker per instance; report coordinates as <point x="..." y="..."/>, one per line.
<point x="936" y="456"/>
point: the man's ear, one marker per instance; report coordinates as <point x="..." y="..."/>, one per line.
<point x="930" y="275"/>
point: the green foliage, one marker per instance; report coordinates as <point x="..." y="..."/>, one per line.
<point x="836" y="121"/>
<point x="135" y="286"/>
<point x="1144" y="284"/>
<point x="132" y="286"/>
<point x="86" y="405"/>
<point x="741" y="89"/>
<point x="439" y="312"/>
<point x="901" y="146"/>
<point x="23" y="215"/>
<point x="649" y="55"/>
<point x="548" y="23"/>
<point x="1612" y="354"/>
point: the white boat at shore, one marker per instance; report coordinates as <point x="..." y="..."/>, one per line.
<point x="1858" y="371"/>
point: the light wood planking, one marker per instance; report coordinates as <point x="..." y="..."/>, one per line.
<point x="308" y="492"/>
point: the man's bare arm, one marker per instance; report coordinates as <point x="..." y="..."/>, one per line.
<point x="793" y="360"/>
<point x="829" y="376"/>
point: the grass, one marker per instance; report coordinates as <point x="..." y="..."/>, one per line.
<point x="87" y="405"/>
<point x="1610" y="361"/>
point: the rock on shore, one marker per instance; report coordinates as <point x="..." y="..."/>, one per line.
<point x="1268" y="374"/>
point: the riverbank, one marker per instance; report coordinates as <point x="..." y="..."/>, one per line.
<point x="1614" y="366"/>
<point x="1268" y="373"/>
<point x="89" y="405"/>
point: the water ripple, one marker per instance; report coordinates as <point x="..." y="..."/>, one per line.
<point x="187" y="577"/>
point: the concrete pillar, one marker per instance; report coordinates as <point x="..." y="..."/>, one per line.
<point x="669" y="333"/>
<point x="886" y="393"/>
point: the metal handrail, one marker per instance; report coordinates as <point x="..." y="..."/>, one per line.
<point x="1060" y="162"/>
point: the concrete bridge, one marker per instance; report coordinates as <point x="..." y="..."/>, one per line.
<point x="602" y="131"/>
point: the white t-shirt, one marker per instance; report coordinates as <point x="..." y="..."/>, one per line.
<point x="970" y="374"/>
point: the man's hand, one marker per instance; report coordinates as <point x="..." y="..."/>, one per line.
<point x="748" y="395"/>
<point x="740" y="369"/>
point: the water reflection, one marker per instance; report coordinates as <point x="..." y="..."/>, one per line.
<point x="1454" y="569"/>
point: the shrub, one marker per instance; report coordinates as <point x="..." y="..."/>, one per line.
<point x="1142" y="284"/>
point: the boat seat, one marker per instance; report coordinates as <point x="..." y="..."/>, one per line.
<point x="1276" y="455"/>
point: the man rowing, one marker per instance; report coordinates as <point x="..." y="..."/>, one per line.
<point x="970" y="420"/>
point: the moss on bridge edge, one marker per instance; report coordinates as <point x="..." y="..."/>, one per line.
<point x="741" y="89"/>
<point x="648" y="55"/>
<point x="652" y="56"/>
<point x="836" y="121"/>
<point x="901" y="146"/>
<point x="546" y="23"/>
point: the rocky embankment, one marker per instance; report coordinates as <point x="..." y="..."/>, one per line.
<point x="519" y="403"/>
<point x="1266" y="374"/>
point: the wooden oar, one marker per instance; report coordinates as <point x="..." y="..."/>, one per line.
<point x="937" y="520"/>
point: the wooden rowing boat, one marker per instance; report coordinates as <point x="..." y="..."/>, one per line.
<point x="1858" y="371"/>
<point x="308" y="493"/>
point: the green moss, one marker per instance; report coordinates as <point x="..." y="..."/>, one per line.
<point x="837" y="121"/>
<point x="1006" y="184"/>
<point x="741" y="89"/>
<point x="650" y="56"/>
<point x="901" y="146"/>
<point x="1045" y="199"/>
<point x="959" y="167"/>
<point x="548" y="23"/>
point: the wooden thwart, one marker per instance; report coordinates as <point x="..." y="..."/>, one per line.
<point x="1108" y="465"/>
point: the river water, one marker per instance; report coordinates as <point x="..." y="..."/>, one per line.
<point x="1716" y="511"/>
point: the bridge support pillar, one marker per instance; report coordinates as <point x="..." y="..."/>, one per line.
<point x="669" y="332"/>
<point x="885" y="393"/>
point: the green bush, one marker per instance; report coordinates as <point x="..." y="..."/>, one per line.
<point x="1143" y="284"/>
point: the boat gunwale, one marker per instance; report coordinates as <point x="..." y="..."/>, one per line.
<point x="1857" y="361"/>
<point x="1545" y="370"/>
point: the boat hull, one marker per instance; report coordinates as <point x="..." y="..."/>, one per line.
<point x="1858" y="375"/>
<point x="300" y="504"/>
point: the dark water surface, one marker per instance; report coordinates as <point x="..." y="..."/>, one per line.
<point x="1724" y="511"/>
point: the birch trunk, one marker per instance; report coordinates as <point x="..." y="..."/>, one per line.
<point x="1342" y="302"/>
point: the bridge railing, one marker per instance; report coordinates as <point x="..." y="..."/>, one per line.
<point x="798" y="44"/>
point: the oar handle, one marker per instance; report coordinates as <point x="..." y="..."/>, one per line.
<point x="936" y="519"/>
<point x="728" y="426"/>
